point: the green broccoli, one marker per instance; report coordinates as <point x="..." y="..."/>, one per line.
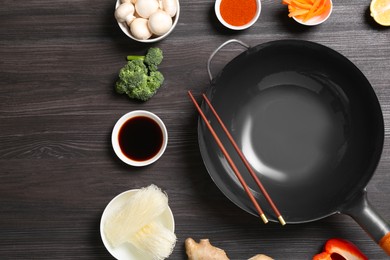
<point x="147" y="89"/>
<point x="133" y="74"/>
<point x="152" y="59"/>
<point x="154" y="80"/>
<point x="139" y="79"/>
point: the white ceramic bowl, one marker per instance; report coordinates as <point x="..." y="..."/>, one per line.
<point x="115" y="137"/>
<point x="232" y="27"/>
<point x="126" y="250"/>
<point x="316" y="20"/>
<point x="126" y="30"/>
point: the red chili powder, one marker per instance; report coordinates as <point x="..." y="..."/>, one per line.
<point x="238" y="12"/>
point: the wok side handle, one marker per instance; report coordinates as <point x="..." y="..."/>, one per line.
<point x="365" y="215"/>
<point x="218" y="49"/>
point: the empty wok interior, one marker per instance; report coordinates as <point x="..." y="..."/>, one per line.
<point x="306" y="119"/>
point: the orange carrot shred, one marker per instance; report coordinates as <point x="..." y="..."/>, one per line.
<point x="301" y="5"/>
<point x="291" y="8"/>
<point x="298" y="12"/>
<point x="306" y="9"/>
<point x="311" y="11"/>
<point x="300" y="17"/>
<point x="322" y="9"/>
<point x="309" y="2"/>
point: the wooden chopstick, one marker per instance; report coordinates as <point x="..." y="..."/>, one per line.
<point x="245" y="161"/>
<point x="229" y="159"/>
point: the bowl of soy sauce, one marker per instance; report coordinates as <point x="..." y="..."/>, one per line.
<point x="139" y="138"/>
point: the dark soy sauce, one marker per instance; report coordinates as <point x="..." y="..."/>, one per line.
<point x="140" y="138"/>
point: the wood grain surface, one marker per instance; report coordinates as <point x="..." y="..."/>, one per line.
<point x="59" y="61"/>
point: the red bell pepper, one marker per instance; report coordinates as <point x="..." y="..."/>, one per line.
<point x="340" y="249"/>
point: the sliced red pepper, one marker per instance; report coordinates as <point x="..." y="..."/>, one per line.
<point x="339" y="249"/>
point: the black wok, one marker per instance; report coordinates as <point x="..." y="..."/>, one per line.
<point x="310" y="125"/>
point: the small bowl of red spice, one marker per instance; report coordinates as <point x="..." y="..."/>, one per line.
<point x="237" y="14"/>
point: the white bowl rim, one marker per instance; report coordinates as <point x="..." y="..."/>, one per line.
<point x="167" y="215"/>
<point x="125" y="29"/>
<point x="317" y="19"/>
<point x="233" y="27"/>
<point x="115" y="134"/>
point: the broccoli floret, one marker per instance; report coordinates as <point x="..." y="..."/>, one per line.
<point x="139" y="79"/>
<point x="120" y="87"/>
<point x="132" y="75"/>
<point x="155" y="80"/>
<point x="145" y="91"/>
<point x="133" y="79"/>
<point x="136" y="66"/>
<point x="152" y="59"/>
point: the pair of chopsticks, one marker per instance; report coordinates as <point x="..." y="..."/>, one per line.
<point x="232" y="164"/>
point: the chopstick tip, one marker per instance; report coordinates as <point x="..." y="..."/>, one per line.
<point x="281" y="220"/>
<point x="264" y="218"/>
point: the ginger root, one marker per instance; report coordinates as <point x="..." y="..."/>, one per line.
<point x="203" y="250"/>
<point x="260" y="257"/>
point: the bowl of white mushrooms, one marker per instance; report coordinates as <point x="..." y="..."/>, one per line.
<point x="147" y="20"/>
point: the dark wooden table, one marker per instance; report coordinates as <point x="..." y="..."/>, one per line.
<point x="59" y="61"/>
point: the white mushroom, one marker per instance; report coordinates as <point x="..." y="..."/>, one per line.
<point x="129" y="19"/>
<point x="160" y="4"/>
<point x="146" y="7"/>
<point x="170" y="6"/>
<point x="124" y="10"/>
<point x="139" y="29"/>
<point x="129" y="1"/>
<point x="160" y="22"/>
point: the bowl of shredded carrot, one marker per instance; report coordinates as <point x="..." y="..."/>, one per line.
<point x="237" y="14"/>
<point x="309" y="12"/>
